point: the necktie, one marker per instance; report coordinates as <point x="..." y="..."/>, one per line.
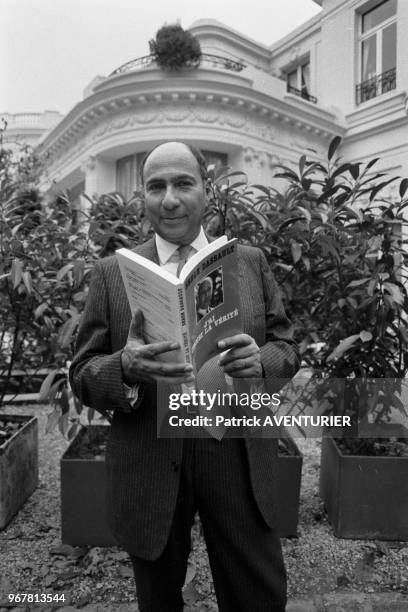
<point x="183" y="255"/>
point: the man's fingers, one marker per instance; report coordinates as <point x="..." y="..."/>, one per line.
<point x="244" y="352"/>
<point x="136" y="326"/>
<point x="158" y="368"/>
<point x="149" y="351"/>
<point x="235" y="341"/>
<point x="175" y="380"/>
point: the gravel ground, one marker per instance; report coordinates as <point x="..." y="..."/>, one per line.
<point x="32" y="559"/>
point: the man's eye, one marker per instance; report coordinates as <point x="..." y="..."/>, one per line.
<point x="155" y="187"/>
<point x="184" y="184"/>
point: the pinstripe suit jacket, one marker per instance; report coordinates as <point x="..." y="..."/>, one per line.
<point x="142" y="470"/>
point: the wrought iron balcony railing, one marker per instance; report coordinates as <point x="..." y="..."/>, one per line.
<point x="206" y="59"/>
<point x="302" y="94"/>
<point x="380" y="84"/>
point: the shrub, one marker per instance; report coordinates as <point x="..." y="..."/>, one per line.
<point x="338" y="250"/>
<point x="175" y="48"/>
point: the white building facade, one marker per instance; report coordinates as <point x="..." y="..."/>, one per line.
<point x="26" y="129"/>
<point x="344" y="72"/>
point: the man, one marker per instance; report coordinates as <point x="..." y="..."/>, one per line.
<point x="203" y="300"/>
<point x="155" y="486"/>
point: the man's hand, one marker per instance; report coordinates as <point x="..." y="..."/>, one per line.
<point x="243" y="359"/>
<point x="139" y="359"/>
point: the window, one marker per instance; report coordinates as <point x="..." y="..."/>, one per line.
<point x="126" y="175"/>
<point x="214" y="157"/>
<point x="298" y="81"/>
<point x="378" y="51"/>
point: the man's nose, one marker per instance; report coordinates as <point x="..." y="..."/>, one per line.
<point x="170" y="199"/>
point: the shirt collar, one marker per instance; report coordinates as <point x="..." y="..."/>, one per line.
<point x="166" y="250"/>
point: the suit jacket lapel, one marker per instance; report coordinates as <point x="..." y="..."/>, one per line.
<point x="148" y="249"/>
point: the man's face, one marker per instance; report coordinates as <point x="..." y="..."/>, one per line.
<point x="174" y="192"/>
<point x="204" y="294"/>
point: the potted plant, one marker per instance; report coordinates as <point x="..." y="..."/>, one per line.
<point x="289" y="475"/>
<point x="18" y="463"/>
<point x="174" y="48"/>
<point x="83" y="490"/>
<point x="345" y="260"/>
<point x="18" y="433"/>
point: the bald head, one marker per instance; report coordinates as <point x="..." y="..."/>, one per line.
<point x="175" y="195"/>
<point x="201" y="161"/>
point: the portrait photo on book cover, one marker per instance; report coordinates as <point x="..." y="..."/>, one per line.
<point x="209" y="293"/>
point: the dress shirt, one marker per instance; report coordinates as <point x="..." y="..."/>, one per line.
<point x="168" y="251"/>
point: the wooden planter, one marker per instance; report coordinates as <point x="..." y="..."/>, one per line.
<point x="289" y="476"/>
<point x="18" y="467"/>
<point x="365" y="497"/>
<point x="83" y="495"/>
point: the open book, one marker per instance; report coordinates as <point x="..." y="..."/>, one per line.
<point x="197" y="309"/>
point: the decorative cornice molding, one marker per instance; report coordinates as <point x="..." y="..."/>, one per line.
<point x="130" y="109"/>
<point x="234" y="118"/>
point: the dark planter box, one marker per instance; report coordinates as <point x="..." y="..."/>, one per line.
<point x="18" y="467"/>
<point x="365" y="497"/>
<point x="83" y="495"/>
<point x="289" y="476"/>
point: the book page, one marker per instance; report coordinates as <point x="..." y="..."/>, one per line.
<point x="154" y="294"/>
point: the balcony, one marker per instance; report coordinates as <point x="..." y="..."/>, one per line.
<point x="301" y="93"/>
<point x="376" y="86"/>
<point x="207" y="59"/>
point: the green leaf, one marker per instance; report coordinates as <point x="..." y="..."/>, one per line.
<point x="66" y="331"/>
<point x="354" y="170"/>
<point x="262" y="188"/>
<point x="306" y="263"/>
<point x="73" y="430"/>
<point x="63" y="423"/>
<point x="64" y="401"/>
<point x="90" y="414"/>
<point x="296" y="249"/>
<point x="28" y="282"/>
<point x="357" y="283"/>
<point x="371" y="286"/>
<point x="342" y="347"/>
<point x="381" y="186"/>
<point x="16" y="272"/>
<point x="395" y="293"/>
<point x="340" y="170"/>
<point x="333" y="146"/>
<point x="284" y="266"/>
<point x="78" y="272"/>
<point x="40" y="310"/>
<point x="306" y="213"/>
<point x="371" y="163"/>
<point x="64" y="270"/>
<point x="52" y="420"/>
<point x="46" y="385"/>
<point x="403" y="187"/>
<point x="289" y="222"/>
<point x="288" y="174"/>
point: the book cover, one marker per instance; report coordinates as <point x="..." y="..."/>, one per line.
<point x="197" y="309"/>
